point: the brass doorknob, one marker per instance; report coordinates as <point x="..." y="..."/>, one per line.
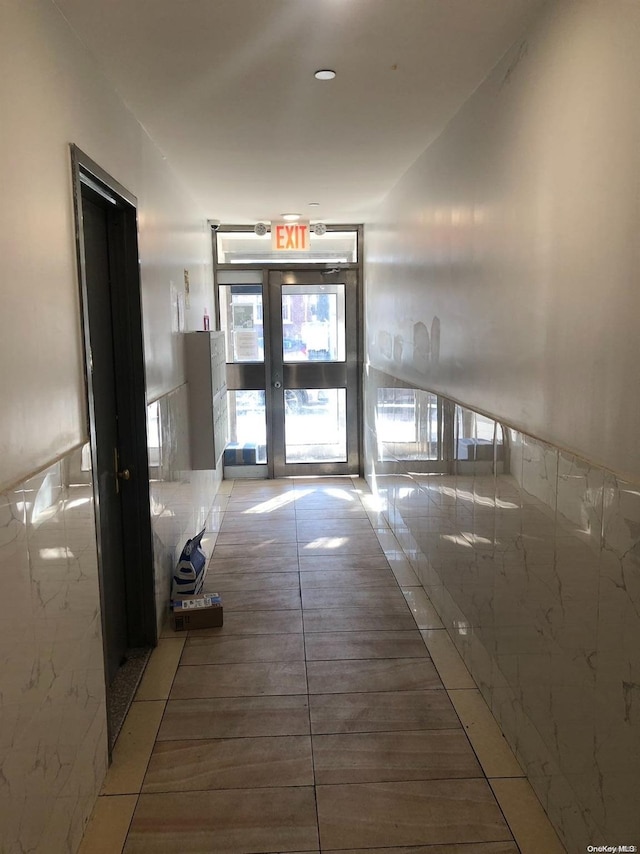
<point x="125" y="474"/>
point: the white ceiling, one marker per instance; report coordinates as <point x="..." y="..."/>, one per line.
<point x="226" y="90"/>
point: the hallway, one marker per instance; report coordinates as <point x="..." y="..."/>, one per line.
<point x="331" y="712"/>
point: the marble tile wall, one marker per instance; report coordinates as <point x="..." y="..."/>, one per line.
<point x="53" y="726"/>
<point x="534" y="568"/>
<point x="53" y="729"/>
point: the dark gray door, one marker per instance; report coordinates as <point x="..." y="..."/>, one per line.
<point x="107" y="446"/>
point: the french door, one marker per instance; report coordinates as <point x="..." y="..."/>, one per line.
<point x="292" y="372"/>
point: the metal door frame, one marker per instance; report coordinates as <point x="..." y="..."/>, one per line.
<point x="253" y="375"/>
<point x="301" y="375"/>
<point x="121" y="207"/>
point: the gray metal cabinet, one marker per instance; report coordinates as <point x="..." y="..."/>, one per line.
<point x="207" y="382"/>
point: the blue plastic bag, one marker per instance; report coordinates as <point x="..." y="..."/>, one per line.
<point x="189" y="573"/>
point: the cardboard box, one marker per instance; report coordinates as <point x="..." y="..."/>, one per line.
<point x="197" y="612"/>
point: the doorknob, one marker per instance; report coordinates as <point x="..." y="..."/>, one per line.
<point x="277" y="384"/>
<point x="125" y="474"/>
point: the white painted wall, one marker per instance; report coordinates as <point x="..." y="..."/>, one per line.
<point x="52" y="94"/>
<point x="519" y="229"/>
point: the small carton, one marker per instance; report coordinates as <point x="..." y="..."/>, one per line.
<point x="197" y="612"/>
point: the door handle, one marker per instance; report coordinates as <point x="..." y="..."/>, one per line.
<point x="125" y="474"/>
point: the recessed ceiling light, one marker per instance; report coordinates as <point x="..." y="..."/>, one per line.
<point x="290" y="216"/>
<point x="325" y="74"/>
<point x="314" y="204"/>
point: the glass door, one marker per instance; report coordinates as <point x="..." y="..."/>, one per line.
<point x="314" y="372"/>
<point x="292" y="372"/>
<point x="242" y="317"/>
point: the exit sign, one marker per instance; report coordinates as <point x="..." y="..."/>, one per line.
<point x="290" y="236"/>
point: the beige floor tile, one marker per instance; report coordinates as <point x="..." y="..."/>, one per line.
<point x="278" y="497"/>
<point x="462" y="848"/>
<point x="235" y="717"/>
<point x="356" y="619"/>
<point x="225" y="822"/>
<point x="208" y="650"/>
<point x="270" y="581"/>
<point x="422" y="608"/>
<point x="133" y="748"/>
<point x="343" y="494"/>
<point x="275" y="536"/>
<point x="385" y="600"/>
<point x="309" y="512"/>
<point x="283" y="551"/>
<point x="307" y="530"/>
<point x="239" y="680"/>
<point x="451" y="667"/>
<point x="374" y="757"/>
<point x="108" y="825"/>
<point x="254" y="623"/>
<point x="325" y="646"/>
<point x="343" y="562"/>
<point x="239" y="522"/>
<point x="495" y="755"/>
<point x="232" y="763"/>
<point x="233" y="750"/>
<point x="396" y="674"/>
<point x="257" y="600"/>
<point x="248" y="565"/>
<point x="351" y="544"/>
<point x="341" y="579"/>
<point x="528" y="821"/>
<point x="382" y="712"/>
<point x="408" y="813"/>
<point x="321" y="484"/>
<point x="327" y="496"/>
<point x="161" y="669"/>
<point x="278" y="508"/>
<point x="255" y="487"/>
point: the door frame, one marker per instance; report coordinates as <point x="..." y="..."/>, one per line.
<point x="130" y="377"/>
<point x="345" y="374"/>
<point x="253" y="372"/>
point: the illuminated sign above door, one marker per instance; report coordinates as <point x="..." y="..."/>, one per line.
<point x="290" y="236"/>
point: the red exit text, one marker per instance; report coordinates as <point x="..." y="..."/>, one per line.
<point x="286" y="237"/>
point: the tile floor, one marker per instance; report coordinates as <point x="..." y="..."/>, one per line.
<point x="331" y="712"/>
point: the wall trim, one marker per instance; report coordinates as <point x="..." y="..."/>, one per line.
<point x="14" y="484"/>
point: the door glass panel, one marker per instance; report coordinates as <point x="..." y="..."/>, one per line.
<point x="313" y="323"/>
<point x="248" y="428"/>
<point x="315" y="425"/>
<point x="242" y="319"/>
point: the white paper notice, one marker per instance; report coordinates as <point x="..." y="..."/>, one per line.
<point x="245" y="345"/>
